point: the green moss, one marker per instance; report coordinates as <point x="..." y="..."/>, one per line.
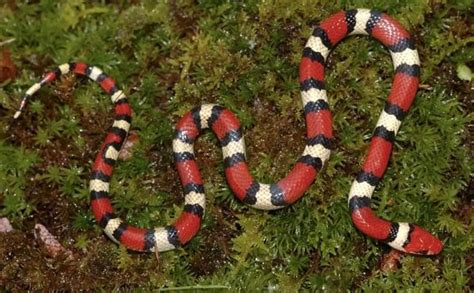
<point x="171" y="56"/>
<point x="15" y="163"/>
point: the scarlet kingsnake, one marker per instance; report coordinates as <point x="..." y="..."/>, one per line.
<point x="402" y="236"/>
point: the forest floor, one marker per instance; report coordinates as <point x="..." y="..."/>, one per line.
<point x="170" y="56"/>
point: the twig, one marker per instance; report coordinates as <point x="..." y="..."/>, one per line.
<point x="6" y="42"/>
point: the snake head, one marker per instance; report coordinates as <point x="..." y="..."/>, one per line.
<point x="423" y="243"/>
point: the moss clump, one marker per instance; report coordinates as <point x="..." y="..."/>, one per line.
<point x="173" y="55"/>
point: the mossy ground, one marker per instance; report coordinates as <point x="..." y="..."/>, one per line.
<point x="170" y="56"/>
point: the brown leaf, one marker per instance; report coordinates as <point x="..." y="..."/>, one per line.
<point x="5" y="225"/>
<point x="390" y="202"/>
<point x="52" y="245"/>
<point x="7" y="67"/>
<point x="127" y="149"/>
<point x="390" y="261"/>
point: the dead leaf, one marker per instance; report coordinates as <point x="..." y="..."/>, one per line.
<point x="52" y="245"/>
<point x="5" y="225"/>
<point x="7" y="67"/>
<point x="390" y="261"/>
<point x="127" y="149"/>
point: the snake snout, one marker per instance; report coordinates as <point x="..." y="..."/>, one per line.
<point x="423" y="243"/>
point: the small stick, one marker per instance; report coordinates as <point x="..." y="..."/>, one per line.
<point x="6" y="42"/>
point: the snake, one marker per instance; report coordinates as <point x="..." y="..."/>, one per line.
<point x="405" y="237"/>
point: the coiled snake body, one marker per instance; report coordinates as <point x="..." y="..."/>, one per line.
<point x="402" y="236"/>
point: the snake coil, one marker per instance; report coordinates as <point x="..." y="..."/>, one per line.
<point x="319" y="136"/>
